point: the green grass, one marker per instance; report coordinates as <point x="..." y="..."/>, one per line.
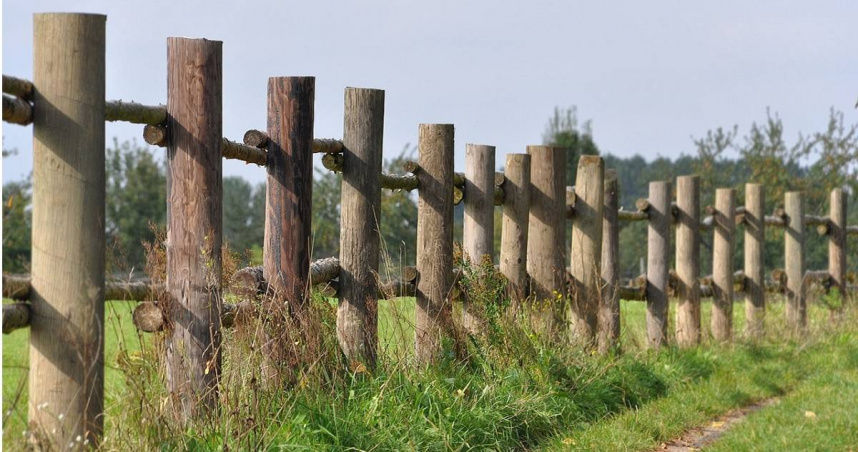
<point x="516" y="392"/>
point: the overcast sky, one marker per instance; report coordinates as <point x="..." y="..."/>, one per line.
<point x="650" y="75"/>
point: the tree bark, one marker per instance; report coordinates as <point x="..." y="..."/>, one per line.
<point x="434" y="239"/>
<point x="586" y="252"/>
<point x="609" y="303"/>
<point x="66" y="376"/>
<point x="357" y="313"/>
<point x="195" y="222"/>
<point x="688" y="260"/>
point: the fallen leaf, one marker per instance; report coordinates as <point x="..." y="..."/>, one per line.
<point x="810" y="414"/>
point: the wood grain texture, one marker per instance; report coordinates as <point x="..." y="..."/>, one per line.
<point x="721" y="322"/>
<point x="546" y="233"/>
<point x="837" y="240"/>
<point x="195" y="221"/>
<point x="585" y="256"/>
<point x="794" y="261"/>
<point x="754" y="256"/>
<point x="17" y="110"/>
<point x="688" y="260"/>
<point x="478" y="228"/>
<point x="609" y="303"/>
<point x="514" y="235"/>
<point x="434" y="239"/>
<point x="658" y="262"/>
<point x="66" y="377"/>
<point x="357" y="313"/>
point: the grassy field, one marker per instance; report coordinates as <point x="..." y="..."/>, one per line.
<point x="517" y="394"/>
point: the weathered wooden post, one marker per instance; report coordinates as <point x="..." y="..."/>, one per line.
<point x="66" y="377"/>
<point x="796" y="307"/>
<point x="688" y="260"/>
<point x="357" y="314"/>
<point x="609" y="303"/>
<point x="546" y="234"/>
<point x="194" y="206"/>
<point x="657" y="266"/>
<point x="837" y="241"/>
<point x="478" y="229"/>
<point x="516" y="210"/>
<point x="755" y="291"/>
<point x="434" y="239"/>
<point x="586" y="254"/>
<point x="288" y="202"/>
<point x="722" y="264"/>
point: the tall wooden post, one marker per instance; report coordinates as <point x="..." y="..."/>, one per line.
<point x="546" y="233"/>
<point x="194" y="100"/>
<point x="478" y="229"/>
<point x="357" y="314"/>
<point x="796" y="307"/>
<point x="755" y="293"/>
<point x="586" y="253"/>
<point x="688" y="260"/>
<point x="516" y="210"/>
<point x="288" y="203"/>
<point x="434" y="238"/>
<point x="658" y="262"/>
<point x="722" y="264"/>
<point x="837" y="241"/>
<point x="609" y="303"/>
<point x="66" y="377"/>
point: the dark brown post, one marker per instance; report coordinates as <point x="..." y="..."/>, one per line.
<point x="609" y="303"/>
<point x="722" y="264"/>
<point x="357" y="314"/>
<point x="688" y="260"/>
<point x="546" y="234"/>
<point x="288" y="202"/>
<point x="837" y="241"/>
<point x="796" y="307"/>
<point x="194" y="100"/>
<point x="434" y="238"/>
<point x="478" y="229"/>
<point x="516" y="210"/>
<point x="755" y="293"/>
<point x="658" y="262"/>
<point x="66" y="377"/>
<point x="586" y="254"/>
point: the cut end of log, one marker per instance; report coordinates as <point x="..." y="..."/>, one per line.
<point x="148" y="317"/>
<point x="155" y="135"/>
<point x="256" y="138"/>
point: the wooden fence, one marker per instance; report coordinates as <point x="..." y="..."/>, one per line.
<point x="63" y="298"/>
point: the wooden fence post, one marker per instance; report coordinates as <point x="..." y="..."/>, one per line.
<point x="546" y="234"/>
<point x="586" y="252"/>
<point x="837" y="241"/>
<point x="288" y="226"/>
<point x="66" y="376"/>
<point x="755" y="291"/>
<point x="357" y="314"/>
<point x="688" y="260"/>
<point x="194" y="100"/>
<point x="609" y="303"/>
<point x="478" y="229"/>
<point x="516" y="210"/>
<point x="796" y="307"/>
<point x="657" y="267"/>
<point x="722" y="264"/>
<point x="434" y="239"/>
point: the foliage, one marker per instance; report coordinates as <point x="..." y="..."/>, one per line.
<point x="17" y="224"/>
<point x="563" y="131"/>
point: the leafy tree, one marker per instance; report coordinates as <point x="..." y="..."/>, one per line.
<point x="17" y="224"/>
<point x="563" y="131"/>
<point x="243" y="217"/>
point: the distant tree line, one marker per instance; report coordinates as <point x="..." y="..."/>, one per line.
<point x="815" y="163"/>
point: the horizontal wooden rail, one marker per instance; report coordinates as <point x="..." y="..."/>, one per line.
<point x="407" y="182"/>
<point x="117" y="110"/>
<point x="17" y="110"/>
<point x="247" y="154"/>
<point x="18" y="87"/>
<point x="259" y="139"/>
<point x="17" y="287"/>
<point x="15" y="315"/>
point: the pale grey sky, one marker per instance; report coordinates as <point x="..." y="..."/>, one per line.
<point x="649" y="74"/>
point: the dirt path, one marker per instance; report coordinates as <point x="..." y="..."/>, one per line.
<point x="700" y="437"/>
